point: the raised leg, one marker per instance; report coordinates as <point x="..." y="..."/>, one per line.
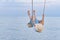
<point x="29" y="13"/>
<point x="42" y="21"/>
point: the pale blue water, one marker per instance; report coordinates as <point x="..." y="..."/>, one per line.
<point x="15" y="28"/>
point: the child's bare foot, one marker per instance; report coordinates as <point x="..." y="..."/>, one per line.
<point x="29" y="12"/>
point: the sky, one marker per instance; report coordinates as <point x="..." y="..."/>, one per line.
<point x="20" y="7"/>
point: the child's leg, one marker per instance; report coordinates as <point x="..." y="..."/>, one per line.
<point x="42" y="21"/>
<point x="29" y="14"/>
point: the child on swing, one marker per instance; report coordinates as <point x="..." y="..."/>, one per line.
<point x="34" y="21"/>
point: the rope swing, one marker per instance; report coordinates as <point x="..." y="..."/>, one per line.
<point x="43" y="11"/>
<point x="44" y="6"/>
<point x="38" y="26"/>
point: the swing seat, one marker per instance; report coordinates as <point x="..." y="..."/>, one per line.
<point x="39" y="27"/>
<point x="30" y="25"/>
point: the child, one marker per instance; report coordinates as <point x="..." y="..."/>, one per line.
<point x="38" y="24"/>
<point x="33" y="19"/>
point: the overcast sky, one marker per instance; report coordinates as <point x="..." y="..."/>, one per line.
<point x="16" y="7"/>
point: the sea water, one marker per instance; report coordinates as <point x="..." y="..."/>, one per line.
<point x="15" y="28"/>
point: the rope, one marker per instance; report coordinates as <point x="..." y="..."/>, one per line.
<point x="32" y="12"/>
<point x="32" y="7"/>
<point x="44" y="6"/>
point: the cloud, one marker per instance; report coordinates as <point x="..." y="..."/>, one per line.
<point x="35" y="1"/>
<point x="40" y="2"/>
<point x="12" y="3"/>
<point x="28" y="1"/>
<point x="6" y="1"/>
